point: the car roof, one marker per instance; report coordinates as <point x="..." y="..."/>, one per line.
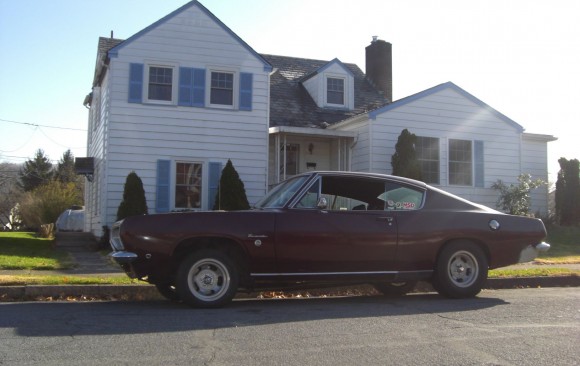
<point x="394" y="178"/>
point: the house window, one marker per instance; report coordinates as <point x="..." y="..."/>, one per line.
<point x="460" y="162"/>
<point x="427" y="149"/>
<point x="222" y="88"/>
<point x="289" y="166"/>
<point x="335" y="91"/>
<point x="188" y="185"/>
<point x="160" y="86"/>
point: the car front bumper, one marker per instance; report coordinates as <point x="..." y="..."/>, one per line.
<point x="531" y="252"/>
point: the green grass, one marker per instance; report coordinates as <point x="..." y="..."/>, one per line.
<point x="27" y="251"/>
<point x="22" y="280"/>
<point x="542" y="271"/>
<point x="565" y="244"/>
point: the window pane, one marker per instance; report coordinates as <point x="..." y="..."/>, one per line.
<point x="427" y="149"/>
<point x="460" y="162"/>
<point x="160" y="83"/>
<point x="222" y="88"/>
<point x="188" y="185"/>
<point x="335" y="91"/>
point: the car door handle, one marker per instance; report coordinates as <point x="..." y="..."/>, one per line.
<point x="254" y="236"/>
<point x="388" y="219"/>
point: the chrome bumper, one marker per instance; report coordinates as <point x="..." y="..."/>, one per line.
<point x="532" y="251"/>
<point x="123" y="257"/>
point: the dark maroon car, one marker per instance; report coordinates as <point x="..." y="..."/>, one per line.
<point x="327" y="228"/>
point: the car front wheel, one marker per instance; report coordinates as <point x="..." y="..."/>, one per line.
<point x="461" y="270"/>
<point x="207" y="279"/>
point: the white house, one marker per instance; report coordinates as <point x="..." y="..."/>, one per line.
<point x="178" y="99"/>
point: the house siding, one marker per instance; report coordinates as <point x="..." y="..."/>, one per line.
<point x="446" y="115"/>
<point x="534" y="161"/>
<point x="137" y="135"/>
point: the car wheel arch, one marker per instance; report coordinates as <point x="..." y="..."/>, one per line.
<point x="477" y="242"/>
<point x="227" y="245"/>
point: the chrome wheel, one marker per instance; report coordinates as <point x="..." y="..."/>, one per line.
<point x="460" y="270"/>
<point x="463" y="269"/>
<point x="208" y="279"/>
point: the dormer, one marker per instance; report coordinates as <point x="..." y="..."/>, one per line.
<point x="331" y="86"/>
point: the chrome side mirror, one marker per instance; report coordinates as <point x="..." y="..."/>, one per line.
<point x="322" y="203"/>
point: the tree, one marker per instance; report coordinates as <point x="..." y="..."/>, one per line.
<point x="10" y="193"/>
<point x="65" y="169"/>
<point x="515" y="199"/>
<point x="568" y="192"/>
<point x="404" y="160"/>
<point x="231" y="194"/>
<point x="44" y="204"/>
<point x="36" y="172"/>
<point x="134" y="202"/>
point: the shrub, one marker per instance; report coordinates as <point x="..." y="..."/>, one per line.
<point x="515" y="198"/>
<point x="231" y="194"/>
<point x="404" y="160"/>
<point x="134" y="202"/>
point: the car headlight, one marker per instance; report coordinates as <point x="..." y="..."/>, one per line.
<point x="115" y="240"/>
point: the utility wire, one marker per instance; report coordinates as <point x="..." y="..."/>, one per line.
<point x="39" y="125"/>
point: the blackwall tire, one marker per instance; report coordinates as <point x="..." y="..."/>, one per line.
<point x="461" y="270"/>
<point x="207" y="279"/>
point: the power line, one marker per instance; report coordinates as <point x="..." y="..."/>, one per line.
<point x="39" y="125"/>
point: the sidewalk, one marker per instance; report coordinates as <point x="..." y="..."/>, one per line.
<point x="92" y="263"/>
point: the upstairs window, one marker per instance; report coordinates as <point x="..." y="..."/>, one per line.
<point x="427" y="149"/>
<point x="222" y="88"/>
<point x="335" y="91"/>
<point x="160" y="83"/>
<point x="460" y="162"/>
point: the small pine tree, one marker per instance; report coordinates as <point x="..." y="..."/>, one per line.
<point x="134" y="202"/>
<point x="231" y="194"/>
<point x="36" y="172"/>
<point x="404" y="160"/>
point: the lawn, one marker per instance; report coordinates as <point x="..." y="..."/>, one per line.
<point x="565" y="245"/>
<point x="27" y="251"/>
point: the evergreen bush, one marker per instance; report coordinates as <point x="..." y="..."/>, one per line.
<point x="134" y="202"/>
<point x="231" y="194"/>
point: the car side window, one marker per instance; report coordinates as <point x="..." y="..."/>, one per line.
<point x="398" y="197"/>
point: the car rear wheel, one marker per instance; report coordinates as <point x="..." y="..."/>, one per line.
<point x="395" y="288"/>
<point x="461" y="270"/>
<point x="207" y="278"/>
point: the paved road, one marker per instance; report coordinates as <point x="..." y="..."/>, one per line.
<point x="502" y="327"/>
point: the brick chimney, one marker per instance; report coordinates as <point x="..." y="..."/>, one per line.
<point x="379" y="66"/>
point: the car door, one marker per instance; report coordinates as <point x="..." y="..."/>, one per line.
<point x="341" y="238"/>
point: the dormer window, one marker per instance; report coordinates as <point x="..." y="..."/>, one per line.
<point x="335" y="91"/>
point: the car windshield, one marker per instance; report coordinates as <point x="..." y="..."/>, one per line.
<point x="281" y="194"/>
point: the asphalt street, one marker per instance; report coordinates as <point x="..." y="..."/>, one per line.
<point x="500" y="327"/>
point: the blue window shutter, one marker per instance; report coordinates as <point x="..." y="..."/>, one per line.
<point x="479" y="168"/>
<point x="215" y="172"/>
<point x="185" y="86"/>
<point x="162" y="203"/>
<point x="198" y="97"/>
<point x="245" y="91"/>
<point x="136" y="83"/>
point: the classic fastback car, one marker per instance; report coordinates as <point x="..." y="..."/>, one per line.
<point x="327" y="228"/>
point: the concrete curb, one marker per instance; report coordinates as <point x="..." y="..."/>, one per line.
<point x="149" y="292"/>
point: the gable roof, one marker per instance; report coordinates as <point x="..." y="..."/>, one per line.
<point x="105" y="44"/>
<point x="292" y="105"/>
<point x="448" y="85"/>
<point x="113" y="52"/>
<point x="336" y="61"/>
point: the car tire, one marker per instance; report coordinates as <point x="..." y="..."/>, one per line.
<point x="207" y="279"/>
<point x="461" y="270"/>
<point x="395" y="288"/>
<point x="168" y="291"/>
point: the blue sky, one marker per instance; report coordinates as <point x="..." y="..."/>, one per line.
<point x="522" y="57"/>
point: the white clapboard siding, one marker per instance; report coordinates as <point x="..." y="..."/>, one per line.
<point x="134" y="136"/>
